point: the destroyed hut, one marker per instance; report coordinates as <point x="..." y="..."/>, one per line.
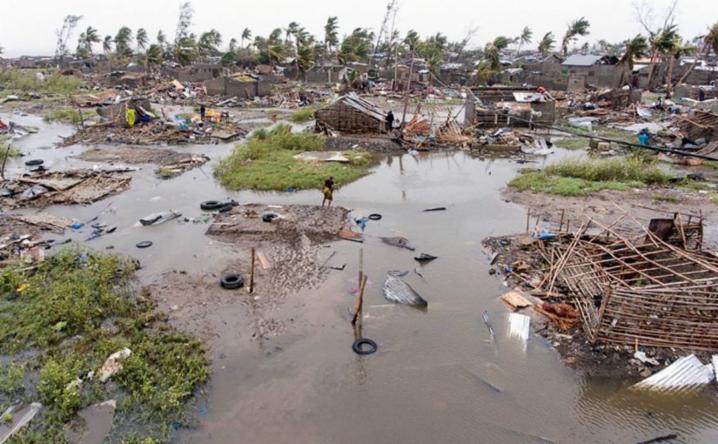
<point x="508" y="106"/>
<point x="351" y="114"/>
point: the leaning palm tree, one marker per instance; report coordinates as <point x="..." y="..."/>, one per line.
<point x="246" y="35"/>
<point x="546" y="44"/>
<point x="634" y="49"/>
<point x="107" y="44"/>
<point x="576" y="28"/>
<point x="710" y="41"/>
<point x="524" y="38"/>
<point x="91" y="36"/>
<point x="141" y="39"/>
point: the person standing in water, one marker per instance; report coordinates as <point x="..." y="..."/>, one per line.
<point x="328" y="192"/>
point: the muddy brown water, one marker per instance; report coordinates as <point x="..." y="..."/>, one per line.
<point x="428" y="381"/>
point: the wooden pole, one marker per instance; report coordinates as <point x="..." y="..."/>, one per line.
<point x="361" y="266"/>
<point x="358" y="306"/>
<point x="251" y="273"/>
<point x="528" y="219"/>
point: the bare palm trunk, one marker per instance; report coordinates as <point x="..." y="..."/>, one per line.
<point x="669" y="77"/>
<point x="653" y="66"/>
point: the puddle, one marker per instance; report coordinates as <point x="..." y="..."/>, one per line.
<point x="306" y="385"/>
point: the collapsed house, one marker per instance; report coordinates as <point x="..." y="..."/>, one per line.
<point x="508" y="106"/>
<point x="600" y="71"/>
<point x="198" y="72"/>
<point x="351" y="114"/>
<point x="242" y="86"/>
<point x="656" y="288"/>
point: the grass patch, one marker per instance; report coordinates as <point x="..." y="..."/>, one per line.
<point x="66" y="115"/>
<point x="579" y="177"/>
<point x="4" y="151"/>
<point x="22" y="81"/>
<point x="302" y="115"/>
<point x="266" y="162"/>
<point x="666" y="198"/>
<point x="64" y="319"/>
<point x="571" y="143"/>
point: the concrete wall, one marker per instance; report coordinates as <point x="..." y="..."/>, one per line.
<point x="229" y="87"/>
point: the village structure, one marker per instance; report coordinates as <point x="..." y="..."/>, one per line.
<point x="223" y="238"/>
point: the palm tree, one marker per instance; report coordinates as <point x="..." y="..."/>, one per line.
<point x="633" y="49"/>
<point x="107" y="44"/>
<point x="232" y="45"/>
<point x="153" y="56"/>
<point x="91" y="36"/>
<point x="123" y="39"/>
<point x="524" y="38"/>
<point x="291" y="30"/>
<point x="161" y="39"/>
<point x="246" y="35"/>
<point x="331" y="38"/>
<point x="674" y="52"/>
<point x="546" y="44"/>
<point x="141" y="39"/>
<point x="710" y="41"/>
<point x="209" y="42"/>
<point x="576" y="28"/>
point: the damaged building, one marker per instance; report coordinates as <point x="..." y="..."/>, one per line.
<point x="351" y="114"/>
<point x="508" y="106"/>
<point x="242" y="86"/>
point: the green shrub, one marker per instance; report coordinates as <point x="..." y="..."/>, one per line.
<point x="302" y="115"/>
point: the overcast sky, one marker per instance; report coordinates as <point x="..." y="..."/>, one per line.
<point x="28" y="26"/>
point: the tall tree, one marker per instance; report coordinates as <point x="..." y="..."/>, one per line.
<point x="153" y="56"/>
<point x="331" y="37"/>
<point x="184" y="44"/>
<point x="577" y="28"/>
<point x="656" y="34"/>
<point x="246" y="35"/>
<point x="208" y="43"/>
<point x="141" y="39"/>
<point x="123" y="40"/>
<point x="546" y="44"/>
<point x="673" y="53"/>
<point x="91" y="37"/>
<point x="710" y="42"/>
<point x="63" y="36"/>
<point x="232" y="45"/>
<point x="633" y="49"/>
<point x="290" y="31"/>
<point x="107" y="44"/>
<point x="524" y="38"/>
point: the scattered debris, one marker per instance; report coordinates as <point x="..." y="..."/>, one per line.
<point x="686" y="374"/>
<point x="396" y="290"/>
<point x="112" y="364"/>
<point x="398" y="241"/>
<point x="19" y="420"/>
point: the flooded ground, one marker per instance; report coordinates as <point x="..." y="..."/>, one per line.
<point x="436" y="377"/>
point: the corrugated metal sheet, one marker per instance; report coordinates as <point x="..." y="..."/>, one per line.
<point x="362" y="105"/>
<point x="582" y="60"/>
<point x="687" y="373"/>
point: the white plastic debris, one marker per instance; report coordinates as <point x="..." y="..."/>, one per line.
<point x="641" y="356"/>
<point x="112" y="364"/>
<point x="687" y="373"/>
<point x="519" y="326"/>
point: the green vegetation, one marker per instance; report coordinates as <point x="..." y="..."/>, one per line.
<point x="302" y="115"/>
<point x="66" y="115"/>
<point x="64" y="319"/>
<point x="267" y="162"/>
<point x="666" y="198"/>
<point x="578" y="177"/>
<point x="4" y="151"/>
<point x="18" y="81"/>
<point x="571" y="143"/>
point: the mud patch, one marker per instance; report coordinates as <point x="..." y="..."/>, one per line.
<point x="279" y="223"/>
<point x="171" y="163"/>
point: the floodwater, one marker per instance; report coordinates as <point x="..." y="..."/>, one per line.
<point x="436" y="377"/>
